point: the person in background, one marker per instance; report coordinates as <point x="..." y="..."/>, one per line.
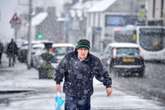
<point x="78" y="69"/>
<point x="12" y="51"/>
<point x="1" y="51"/>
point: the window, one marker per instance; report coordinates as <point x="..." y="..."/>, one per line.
<point x="127" y="52"/>
<point x="120" y="20"/>
<point x="155" y="39"/>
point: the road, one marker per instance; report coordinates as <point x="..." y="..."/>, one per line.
<point x="34" y="94"/>
<point x="152" y="86"/>
<point x="122" y="101"/>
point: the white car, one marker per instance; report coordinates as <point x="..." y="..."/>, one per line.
<point x="59" y="50"/>
<point x="37" y="50"/>
<point x="55" y="54"/>
<point x="124" y="58"/>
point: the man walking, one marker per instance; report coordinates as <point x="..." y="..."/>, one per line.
<point x="12" y="52"/>
<point x="78" y="69"/>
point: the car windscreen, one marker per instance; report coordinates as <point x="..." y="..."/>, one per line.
<point x="63" y="50"/>
<point x="127" y="52"/>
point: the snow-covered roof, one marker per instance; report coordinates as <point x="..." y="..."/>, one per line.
<point x="77" y="6"/>
<point x="81" y="7"/>
<point x="101" y="6"/>
<point x="39" y="18"/>
<point x="85" y="5"/>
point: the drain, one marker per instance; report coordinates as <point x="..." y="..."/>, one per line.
<point x="13" y="91"/>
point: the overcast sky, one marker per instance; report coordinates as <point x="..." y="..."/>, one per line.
<point x="7" y="8"/>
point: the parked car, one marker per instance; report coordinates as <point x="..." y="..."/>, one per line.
<point x="59" y="50"/>
<point x="49" y="60"/>
<point x="37" y="50"/>
<point x="124" y="59"/>
<point x="22" y="53"/>
<point x="23" y="50"/>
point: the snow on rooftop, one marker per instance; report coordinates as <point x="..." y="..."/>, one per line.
<point x="101" y="5"/>
<point x="39" y="18"/>
<point x="85" y="5"/>
<point x="80" y="7"/>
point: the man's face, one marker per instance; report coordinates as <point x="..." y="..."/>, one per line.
<point x="82" y="53"/>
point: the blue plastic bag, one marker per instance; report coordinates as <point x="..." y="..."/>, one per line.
<point x="59" y="102"/>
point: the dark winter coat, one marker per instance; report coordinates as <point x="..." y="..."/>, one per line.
<point x="78" y="75"/>
<point x="1" y="48"/>
<point x="12" y="48"/>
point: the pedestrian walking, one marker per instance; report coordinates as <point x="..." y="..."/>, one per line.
<point x="12" y="51"/>
<point x="78" y="69"/>
<point x="1" y="51"/>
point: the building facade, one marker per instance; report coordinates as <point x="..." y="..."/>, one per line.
<point x="106" y="15"/>
<point x="155" y="12"/>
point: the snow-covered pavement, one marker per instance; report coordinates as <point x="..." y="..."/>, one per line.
<point x="118" y="101"/>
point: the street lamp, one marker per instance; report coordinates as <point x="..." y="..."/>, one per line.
<point x="29" y="35"/>
<point x="29" y="29"/>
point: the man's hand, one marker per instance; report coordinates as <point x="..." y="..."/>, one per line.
<point x="109" y="91"/>
<point x="58" y="88"/>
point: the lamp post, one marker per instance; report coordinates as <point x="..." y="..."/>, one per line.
<point x="29" y="35"/>
<point x="29" y="4"/>
<point x="66" y="28"/>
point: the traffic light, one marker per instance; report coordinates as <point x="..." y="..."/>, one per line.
<point x="39" y="36"/>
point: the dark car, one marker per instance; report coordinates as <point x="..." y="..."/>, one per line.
<point x="125" y="59"/>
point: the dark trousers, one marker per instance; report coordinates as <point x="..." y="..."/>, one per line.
<point x="77" y="103"/>
<point x="0" y="58"/>
<point x="11" y="60"/>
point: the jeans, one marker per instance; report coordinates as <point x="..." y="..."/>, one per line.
<point x="77" y="103"/>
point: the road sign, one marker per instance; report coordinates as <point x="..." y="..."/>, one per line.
<point x="15" y="21"/>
